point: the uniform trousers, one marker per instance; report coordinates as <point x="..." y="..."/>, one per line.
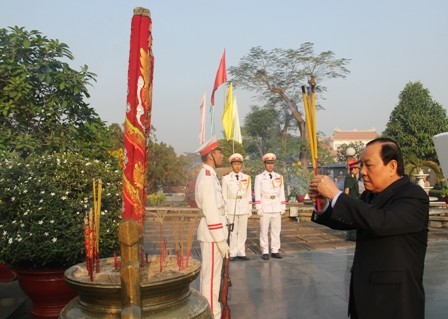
<point x="239" y="235"/>
<point x="210" y="277"/>
<point x="275" y="221"/>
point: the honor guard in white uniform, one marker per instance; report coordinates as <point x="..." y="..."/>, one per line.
<point x="270" y="204"/>
<point x="237" y="192"/>
<point x="212" y="231"/>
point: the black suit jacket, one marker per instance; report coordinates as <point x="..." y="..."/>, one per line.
<point x="391" y="240"/>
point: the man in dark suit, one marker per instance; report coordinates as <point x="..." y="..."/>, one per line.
<point x="391" y="219"/>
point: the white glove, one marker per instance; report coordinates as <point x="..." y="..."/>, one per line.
<point x="223" y="249"/>
<point x="260" y="212"/>
<point x="282" y="212"/>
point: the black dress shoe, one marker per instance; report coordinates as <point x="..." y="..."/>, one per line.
<point x="243" y="257"/>
<point x="232" y="258"/>
<point x="265" y="257"/>
<point x="276" y="255"/>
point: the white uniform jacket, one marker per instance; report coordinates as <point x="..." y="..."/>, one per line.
<point x="269" y="192"/>
<point x="237" y="191"/>
<point x="208" y="196"/>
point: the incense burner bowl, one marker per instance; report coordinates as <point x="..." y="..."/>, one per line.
<point x="164" y="294"/>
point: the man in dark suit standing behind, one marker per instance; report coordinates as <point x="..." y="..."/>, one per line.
<point x="391" y="220"/>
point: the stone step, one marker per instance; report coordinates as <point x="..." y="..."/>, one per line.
<point x="13" y="308"/>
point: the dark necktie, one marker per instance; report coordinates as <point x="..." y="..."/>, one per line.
<point x="237" y="177"/>
<point x="270" y="176"/>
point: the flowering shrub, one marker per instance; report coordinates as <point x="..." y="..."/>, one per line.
<point x="43" y="201"/>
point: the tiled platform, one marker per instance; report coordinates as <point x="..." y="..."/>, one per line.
<point x="314" y="285"/>
<point x="309" y="282"/>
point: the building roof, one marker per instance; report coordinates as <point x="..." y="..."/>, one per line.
<point x="354" y="135"/>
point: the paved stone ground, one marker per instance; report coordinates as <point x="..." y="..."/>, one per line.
<point x="299" y="240"/>
<point x="296" y="236"/>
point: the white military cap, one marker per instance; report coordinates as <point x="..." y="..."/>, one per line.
<point x="236" y="157"/>
<point x="269" y="157"/>
<point x="210" y="145"/>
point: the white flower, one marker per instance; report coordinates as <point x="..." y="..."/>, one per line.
<point x="52" y="221"/>
<point x="46" y="234"/>
<point x="10" y="241"/>
<point x="54" y="239"/>
<point x="42" y="192"/>
<point x="22" y="225"/>
<point x="40" y="222"/>
<point x="25" y="191"/>
<point x="41" y="200"/>
<point x="52" y="194"/>
<point x="13" y="198"/>
<point x="64" y="197"/>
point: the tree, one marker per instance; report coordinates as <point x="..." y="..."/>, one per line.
<point x="277" y="75"/>
<point x="415" y="120"/>
<point x="325" y="153"/>
<point x="229" y="147"/>
<point x="42" y="104"/>
<point x="165" y="168"/>
<point x="261" y="126"/>
<point x="342" y="150"/>
<point x="117" y="135"/>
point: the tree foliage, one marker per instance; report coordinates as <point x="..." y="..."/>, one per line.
<point x="415" y="120"/>
<point x="342" y="151"/>
<point x="229" y="147"/>
<point x="261" y="126"/>
<point x="165" y="168"/>
<point x="276" y="77"/>
<point x="42" y="104"/>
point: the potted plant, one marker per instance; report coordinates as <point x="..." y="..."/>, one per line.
<point x="43" y="201"/>
<point x="300" y="179"/>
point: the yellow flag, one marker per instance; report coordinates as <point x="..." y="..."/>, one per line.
<point x="227" y="116"/>
<point x="236" y="123"/>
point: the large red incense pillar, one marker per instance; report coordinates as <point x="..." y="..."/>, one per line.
<point x="138" y="115"/>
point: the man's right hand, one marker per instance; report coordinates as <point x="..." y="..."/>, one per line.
<point x="223" y="249"/>
<point x="322" y="186"/>
<point x="260" y="212"/>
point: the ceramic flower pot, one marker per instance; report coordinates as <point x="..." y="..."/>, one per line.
<point x="6" y="274"/>
<point x="300" y="198"/>
<point x="47" y="290"/>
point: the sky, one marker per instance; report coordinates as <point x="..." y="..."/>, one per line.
<point x="390" y="43"/>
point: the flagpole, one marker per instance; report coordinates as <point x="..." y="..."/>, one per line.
<point x="212" y="120"/>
